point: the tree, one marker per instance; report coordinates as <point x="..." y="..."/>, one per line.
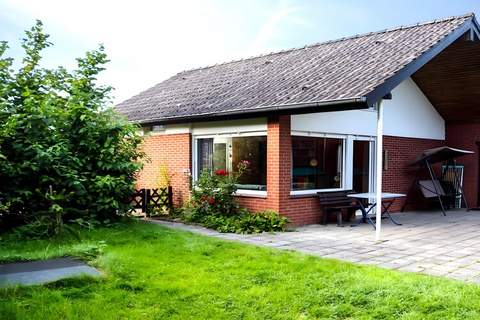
<point x="64" y="155"/>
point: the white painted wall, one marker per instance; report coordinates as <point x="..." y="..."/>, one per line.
<point x="360" y="122"/>
<point x="216" y="127"/>
<point x="230" y="126"/>
<point x="409" y="114"/>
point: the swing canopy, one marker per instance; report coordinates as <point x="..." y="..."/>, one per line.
<point x="439" y="154"/>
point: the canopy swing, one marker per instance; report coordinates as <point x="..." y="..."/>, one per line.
<point x="446" y="188"/>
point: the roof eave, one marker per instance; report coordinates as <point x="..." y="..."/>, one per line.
<point x="385" y="88"/>
<point x="293" y="108"/>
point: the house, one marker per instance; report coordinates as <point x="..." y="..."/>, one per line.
<point x="306" y="118"/>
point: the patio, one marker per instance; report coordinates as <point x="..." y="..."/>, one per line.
<point x="427" y="242"/>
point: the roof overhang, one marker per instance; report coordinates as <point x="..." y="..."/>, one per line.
<point x="471" y="28"/>
<point x="297" y="108"/>
<point x="451" y="81"/>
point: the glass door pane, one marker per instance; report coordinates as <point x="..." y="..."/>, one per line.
<point x="361" y="166"/>
<point x="220" y="155"/>
<point x="205" y="154"/>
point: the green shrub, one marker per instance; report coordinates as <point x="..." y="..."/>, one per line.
<point x="243" y="222"/>
<point x="65" y="154"/>
<point x="262" y="221"/>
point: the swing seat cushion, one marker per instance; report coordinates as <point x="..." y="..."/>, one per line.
<point x="431" y="188"/>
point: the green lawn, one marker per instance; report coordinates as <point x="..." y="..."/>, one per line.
<point x="155" y="273"/>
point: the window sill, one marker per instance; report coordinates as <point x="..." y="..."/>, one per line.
<point x="311" y="193"/>
<point x="299" y="196"/>
<point x="251" y="193"/>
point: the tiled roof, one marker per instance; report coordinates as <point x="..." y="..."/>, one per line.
<point x="340" y="70"/>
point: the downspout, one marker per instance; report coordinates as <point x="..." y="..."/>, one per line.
<point x="379" y="169"/>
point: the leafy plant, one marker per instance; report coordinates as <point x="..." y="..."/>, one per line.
<point x="213" y="204"/>
<point x="213" y="192"/>
<point x="243" y="222"/>
<point x="164" y="177"/>
<point x="65" y="154"/>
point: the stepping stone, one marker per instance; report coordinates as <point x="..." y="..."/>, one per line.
<point x="43" y="271"/>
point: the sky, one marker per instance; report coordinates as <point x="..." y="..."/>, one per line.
<point x="149" y="41"/>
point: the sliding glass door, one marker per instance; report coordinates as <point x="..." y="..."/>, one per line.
<point x="361" y="166"/>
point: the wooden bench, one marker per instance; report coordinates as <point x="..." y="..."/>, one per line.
<point x="337" y="202"/>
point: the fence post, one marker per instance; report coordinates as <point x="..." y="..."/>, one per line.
<point x="170" y="197"/>
<point x="147" y="202"/>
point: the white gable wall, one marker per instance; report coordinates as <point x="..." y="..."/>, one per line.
<point x="409" y="114"/>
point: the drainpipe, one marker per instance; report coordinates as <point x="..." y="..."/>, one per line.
<point x="379" y="168"/>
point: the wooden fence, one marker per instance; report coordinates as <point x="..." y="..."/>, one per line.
<point x="147" y="200"/>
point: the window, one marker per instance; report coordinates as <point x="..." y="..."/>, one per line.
<point x="317" y="163"/>
<point x="225" y="153"/>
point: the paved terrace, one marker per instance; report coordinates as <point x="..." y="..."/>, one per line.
<point x="427" y="242"/>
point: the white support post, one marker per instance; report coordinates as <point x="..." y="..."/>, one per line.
<point x="379" y="168"/>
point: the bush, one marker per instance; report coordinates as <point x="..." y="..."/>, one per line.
<point x="64" y="155"/>
<point x="213" y="193"/>
<point x="213" y="205"/>
<point x="243" y="222"/>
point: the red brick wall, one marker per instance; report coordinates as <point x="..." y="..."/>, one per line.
<point x="306" y="210"/>
<point x="174" y="151"/>
<point x="255" y="203"/>
<point x="399" y="175"/>
<point x="299" y="210"/>
<point x="276" y="179"/>
<point x="466" y="136"/>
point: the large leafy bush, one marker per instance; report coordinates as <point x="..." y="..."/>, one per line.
<point x="64" y="155"/>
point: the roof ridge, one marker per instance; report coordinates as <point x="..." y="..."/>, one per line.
<point x="401" y="27"/>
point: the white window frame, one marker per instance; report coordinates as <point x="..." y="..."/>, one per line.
<point x="347" y="161"/>
<point x="371" y="164"/>
<point x="239" y="192"/>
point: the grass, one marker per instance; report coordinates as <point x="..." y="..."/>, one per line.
<point x="156" y="273"/>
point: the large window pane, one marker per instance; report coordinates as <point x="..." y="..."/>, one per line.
<point x="317" y="163"/>
<point x="225" y="153"/>
<point x="253" y="150"/>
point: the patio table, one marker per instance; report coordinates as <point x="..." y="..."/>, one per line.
<point x="364" y="200"/>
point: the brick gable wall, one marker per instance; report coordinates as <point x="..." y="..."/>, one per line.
<point x="399" y="176"/>
<point x="173" y="150"/>
<point x="467" y="136"/>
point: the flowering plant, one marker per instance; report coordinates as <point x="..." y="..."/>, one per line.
<point x="214" y="193"/>
<point x="213" y="205"/>
<point x="221" y="172"/>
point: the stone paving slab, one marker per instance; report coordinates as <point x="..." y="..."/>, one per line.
<point x="426" y="242"/>
<point x="44" y="271"/>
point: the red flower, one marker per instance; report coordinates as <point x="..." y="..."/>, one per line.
<point x="211" y="201"/>
<point x="221" y="172"/>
